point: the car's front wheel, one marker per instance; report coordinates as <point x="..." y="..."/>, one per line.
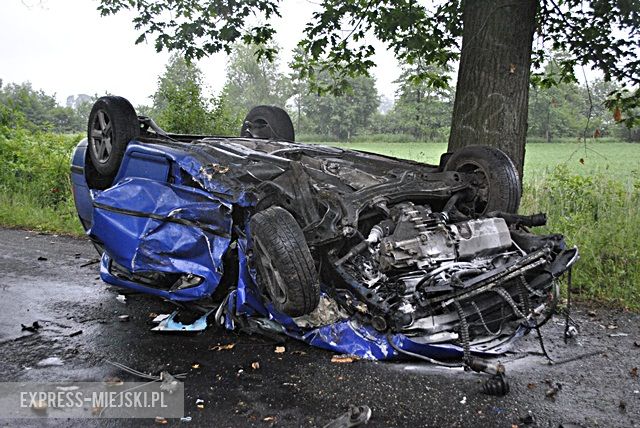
<point x="284" y="263"/>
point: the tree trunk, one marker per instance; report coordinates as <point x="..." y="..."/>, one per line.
<point x="492" y="92"/>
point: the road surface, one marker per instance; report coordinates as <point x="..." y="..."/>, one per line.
<point x="42" y="279"/>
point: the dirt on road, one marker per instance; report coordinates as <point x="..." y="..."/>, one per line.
<point x="42" y="278"/>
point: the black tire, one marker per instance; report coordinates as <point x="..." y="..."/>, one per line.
<point x="112" y="124"/>
<point x="284" y="263"/>
<point x="268" y="122"/>
<point x="498" y="181"/>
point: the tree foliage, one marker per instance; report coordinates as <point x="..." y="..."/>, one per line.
<point x="180" y="106"/>
<point x="341" y="116"/>
<point x="420" y="110"/>
<point x="600" y="33"/>
<point x="254" y="81"/>
<point x="23" y="106"/>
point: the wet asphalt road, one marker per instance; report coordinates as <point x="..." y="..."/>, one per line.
<point x="300" y="387"/>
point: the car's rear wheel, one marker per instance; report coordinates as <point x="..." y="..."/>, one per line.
<point x="284" y="263"/>
<point x="268" y="122"/>
<point x="496" y="179"/>
<point x="112" y="124"/>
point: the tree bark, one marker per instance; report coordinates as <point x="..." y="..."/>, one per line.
<point x="492" y="91"/>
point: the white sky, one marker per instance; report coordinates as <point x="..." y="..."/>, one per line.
<point x="66" y="47"/>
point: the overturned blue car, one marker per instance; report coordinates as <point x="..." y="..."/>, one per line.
<point x="354" y="252"/>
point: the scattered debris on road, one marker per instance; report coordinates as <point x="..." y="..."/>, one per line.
<point x="34" y="327"/>
<point x="90" y="262"/>
<point x="219" y="347"/>
<point x="344" y="359"/>
<point x="163" y="377"/>
<point x="50" y="362"/>
<point x="169" y="323"/>
<point x="356" y="416"/>
<point x="553" y="389"/>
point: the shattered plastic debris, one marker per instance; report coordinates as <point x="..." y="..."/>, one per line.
<point x="219" y="347"/>
<point x="356" y="416"/>
<point x="51" y="361"/>
<point x="344" y="359"/>
<point x="169" y="323"/>
<point x="121" y="298"/>
<point x="159" y="318"/>
<point x="279" y="350"/>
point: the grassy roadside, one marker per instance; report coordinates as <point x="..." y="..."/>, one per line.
<point x="35" y="191"/>
<point x="591" y="194"/>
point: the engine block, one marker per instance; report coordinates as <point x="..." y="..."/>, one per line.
<point x="423" y="239"/>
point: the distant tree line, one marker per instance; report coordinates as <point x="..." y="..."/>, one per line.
<point x="420" y="111"/>
<point x="25" y="107"/>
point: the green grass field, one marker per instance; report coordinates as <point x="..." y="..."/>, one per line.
<point x="617" y="159"/>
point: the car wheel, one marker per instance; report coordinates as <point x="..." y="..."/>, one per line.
<point x="269" y="122"/>
<point x="284" y="263"/>
<point x="112" y="124"/>
<point x="496" y="179"/>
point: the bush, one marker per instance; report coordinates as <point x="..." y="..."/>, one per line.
<point x="601" y="215"/>
<point x="34" y="180"/>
